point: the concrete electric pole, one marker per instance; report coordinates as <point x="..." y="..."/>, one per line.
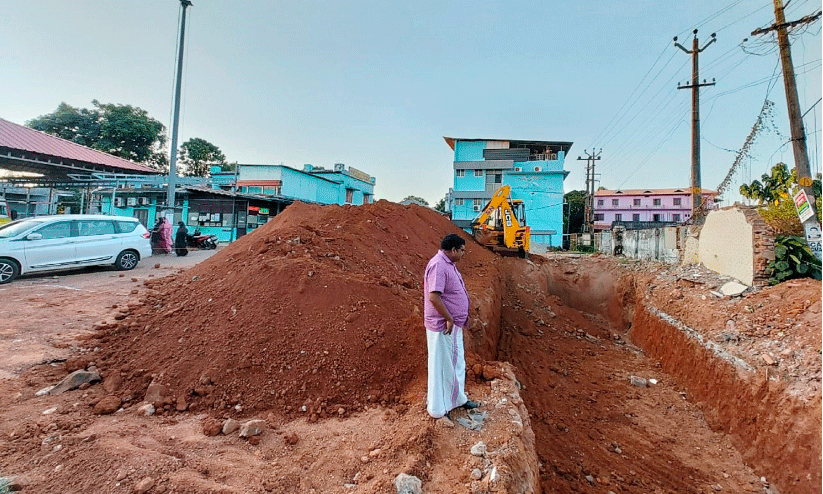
<point x="697" y="188"/>
<point x="811" y="225"/>
<point x="174" y="127"/>
<point x="588" y="225"/>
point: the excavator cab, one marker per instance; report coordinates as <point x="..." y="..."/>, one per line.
<point x="501" y="225"/>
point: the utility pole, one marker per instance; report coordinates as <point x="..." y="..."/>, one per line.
<point x="588" y="224"/>
<point x="801" y="156"/>
<point x="697" y="188"/>
<point x="173" y="159"/>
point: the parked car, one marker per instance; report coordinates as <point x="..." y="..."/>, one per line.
<point x="68" y="241"/>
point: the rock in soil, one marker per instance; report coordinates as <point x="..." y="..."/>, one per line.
<point x="107" y="405"/>
<point x="408" y="484"/>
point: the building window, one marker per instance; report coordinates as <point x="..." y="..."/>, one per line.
<point x="637" y="202"/>
<point x="366" y="199"/>
<point x="458" y="202"/>
<point x="349" y="195"/>
<point x="635" y="217"/>
<point x="676" y="201"/>
<point x="656" y="217"/>
<point x="656" y="202"/>
<point x="600" y="202"/>
<point x="478" y="173"/>
<point x="615" y="202"/>
<point x="676" y="217"/>
<point x="478" y="202"/>
<point x="271" y="190"/>
<point x="460" y="173"/>
<point x="254" y="190"/>
<point x="598" y="216"/>
<point x="618" y="217"/>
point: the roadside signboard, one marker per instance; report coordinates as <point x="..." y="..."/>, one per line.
<point x="804" y="210"/>
<point x="810" y="227"/>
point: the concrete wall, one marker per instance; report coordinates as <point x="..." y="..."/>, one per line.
<point x="659" y="244"/>
<point x="726" y="244"/>
<point x="734" y="241"/>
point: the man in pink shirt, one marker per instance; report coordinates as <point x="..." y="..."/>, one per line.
<point x="446" y="313"/>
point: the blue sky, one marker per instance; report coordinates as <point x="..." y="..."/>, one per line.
<point x="376" y="85"/>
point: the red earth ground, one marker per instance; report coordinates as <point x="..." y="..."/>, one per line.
<point x="313" y="323"/>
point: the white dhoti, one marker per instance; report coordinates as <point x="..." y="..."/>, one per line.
<point x="447" y="372"/>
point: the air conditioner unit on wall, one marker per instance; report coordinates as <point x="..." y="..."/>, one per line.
<point x="145" y="201"/>
<point x="476" y="208"/>
<point x="518" y="169"/>
<point x="119" y="202"/>
<point x="131" y="201"/>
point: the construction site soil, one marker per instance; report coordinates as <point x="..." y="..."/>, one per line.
<point x="596" y="374"/>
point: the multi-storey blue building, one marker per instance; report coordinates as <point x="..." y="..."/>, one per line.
<point x="533" y="170"/>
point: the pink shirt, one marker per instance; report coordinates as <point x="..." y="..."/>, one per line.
<point x="442" y="276"/>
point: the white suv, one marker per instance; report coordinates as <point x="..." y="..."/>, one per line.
<point x="68" y="241"/>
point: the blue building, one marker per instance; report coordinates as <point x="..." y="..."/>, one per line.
<point x="534" y="171"/>
<point x="313" y="184"/>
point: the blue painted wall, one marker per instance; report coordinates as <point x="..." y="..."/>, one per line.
<point x="469" y="150"/>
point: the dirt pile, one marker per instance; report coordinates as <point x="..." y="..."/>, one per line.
<point x="319" y="311"/>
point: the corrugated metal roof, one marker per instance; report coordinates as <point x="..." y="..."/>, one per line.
<point x="15" y="136"/>
<point x="650" y="192"/>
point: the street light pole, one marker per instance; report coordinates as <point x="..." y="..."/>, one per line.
<point x="173" y="159"/>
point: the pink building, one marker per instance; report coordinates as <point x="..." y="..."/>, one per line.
<point x="672" y="206"/>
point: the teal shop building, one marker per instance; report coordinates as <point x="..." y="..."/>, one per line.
<point x="230" y="204"/>
<point x="533" y="169"/>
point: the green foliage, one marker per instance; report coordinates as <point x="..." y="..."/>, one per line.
<point x="198" y="155"/>
<point x="782" y="218"/>
<point x="575" y="212"/>
<point x="792" y="259"/>
<point x="122" y="130"/>
<point x="440" y="206"/>
<point x="773" y="187"/>
<point x="775" y="195"/>
<point x="418" y="199"/>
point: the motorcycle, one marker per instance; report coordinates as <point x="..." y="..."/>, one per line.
<point x="199" y="241"/>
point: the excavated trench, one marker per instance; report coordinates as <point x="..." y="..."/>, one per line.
<point x="580" y="336"/>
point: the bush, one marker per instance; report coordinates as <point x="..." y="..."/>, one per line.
<point x="792" y="259"/>
<point x="782" y="218"/>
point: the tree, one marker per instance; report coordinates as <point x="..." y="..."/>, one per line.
<point x="440" y="206"/>
<point x="773" y="187"/>
<point x="197" y="156"/>
<point x="575" y="211"/>
<point x="417" y="199"/>
<point x="774" y="193"/>
<point x="122" y="130"/>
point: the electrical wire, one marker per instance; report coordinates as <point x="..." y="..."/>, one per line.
<point x="604" y="132"/>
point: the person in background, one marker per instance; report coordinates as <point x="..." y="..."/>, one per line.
<point x="180" y="239"/>
<point x="156" y="237"/>
<point x="446" y="314"/>
<point x="165" y="238"/>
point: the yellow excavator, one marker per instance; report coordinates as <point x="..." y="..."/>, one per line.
<point x="501" y="225"/>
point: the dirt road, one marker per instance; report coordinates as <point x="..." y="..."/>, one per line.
<point x="44" y="314"/>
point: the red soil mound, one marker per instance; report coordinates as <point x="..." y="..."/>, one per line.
<point x="321" y="307"/>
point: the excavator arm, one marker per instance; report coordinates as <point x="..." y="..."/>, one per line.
<point x="497" y="226"/>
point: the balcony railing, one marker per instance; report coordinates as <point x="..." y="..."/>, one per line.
<point x="543" y="157"/>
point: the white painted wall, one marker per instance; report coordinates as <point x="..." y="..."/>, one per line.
<point x="726" y="245"/>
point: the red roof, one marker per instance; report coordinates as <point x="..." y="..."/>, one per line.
<point x="18" y="137"/>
